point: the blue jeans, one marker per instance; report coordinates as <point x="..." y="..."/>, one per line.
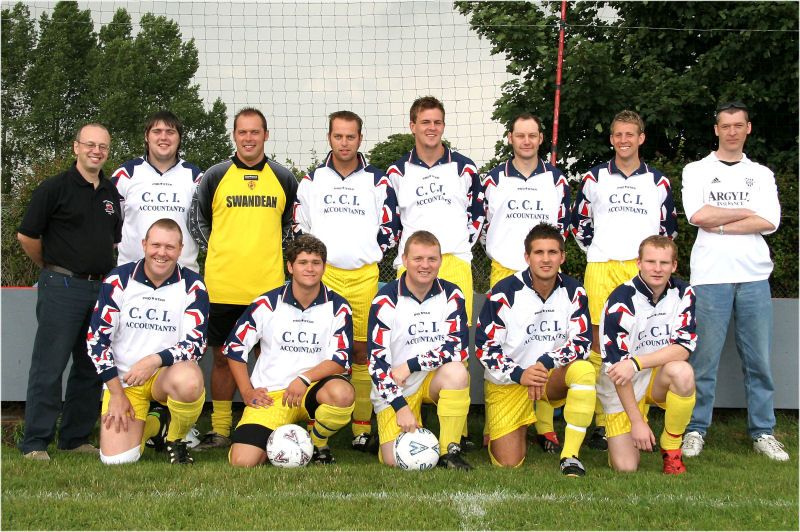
<point x="63" y="308"/>
<point x="751" y="304"/>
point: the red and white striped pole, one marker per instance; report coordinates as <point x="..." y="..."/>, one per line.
<point x="562" y="24"/>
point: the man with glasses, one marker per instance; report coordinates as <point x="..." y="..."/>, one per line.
<point x="734" y="202"/>
<point x="69" y="231"/>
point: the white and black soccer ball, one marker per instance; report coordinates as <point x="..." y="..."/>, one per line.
<point x="414" y="451"/>
<point x="289" y="446"/>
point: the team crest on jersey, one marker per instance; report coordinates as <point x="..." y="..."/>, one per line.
<point x="108" y="207"/>
<point x="251" y="180"/>
<point x="251" y="185"/>
<point x="749" y="181"/>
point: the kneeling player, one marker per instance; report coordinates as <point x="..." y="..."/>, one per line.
<point x="418" y="337"/>
<point x="305" y="331"/>
<point x="532" y="337"/>
<point x="648" y="332"/>
<point x="147" y="332"/>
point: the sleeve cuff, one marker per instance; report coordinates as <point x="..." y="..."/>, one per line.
<point x="516" y="374"/>
<point x="547" y="362"/>
<point x="110" y="373"/>
<point x="166" y="358"/>
<point x="413" y="365"/>
<point x="399" y="403"/>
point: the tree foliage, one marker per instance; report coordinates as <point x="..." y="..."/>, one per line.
<point x="672" y="62"/>
<point x="60" y="73"/>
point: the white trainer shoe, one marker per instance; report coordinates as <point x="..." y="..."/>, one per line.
<point x="767" y="444"/>
<point x="692" y="444"/>
<point x="192" y="439"/>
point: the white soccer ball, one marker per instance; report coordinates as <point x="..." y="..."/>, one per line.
<point x="289" y="446"/>
<point x="414" y="451"/>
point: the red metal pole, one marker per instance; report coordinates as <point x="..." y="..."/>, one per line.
<point x="562" y="24"/>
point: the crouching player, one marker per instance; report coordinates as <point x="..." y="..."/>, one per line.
<point x="533" y="336"/>
<point x="305" y="331"/>
<point x="648" y="332"/>
<point x="417" y="342"/>
<point x="147" y="332"/>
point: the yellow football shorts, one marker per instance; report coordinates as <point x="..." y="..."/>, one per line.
<point x="507" y="408"/>
<point x="358" y="287"/>
<point x="498" y="273"/>
<point x="276" y="415"/>
<point x="458" y="272"/>
<point x="139" y="396"/>
<point x="620" y="423"/>
<point x="601" y="279"/>
<point x="388" y="429"/>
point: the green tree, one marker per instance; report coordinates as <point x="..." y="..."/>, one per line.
<point x="386" y="152"/>
<point x="672" y="62"/>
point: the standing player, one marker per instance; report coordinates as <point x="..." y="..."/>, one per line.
<point x="305" y="331"/>
<point x="352" y="208"/>
<point x="148" y="331"/>
<point x="519" y="194"/>
<point x="647" y="335"/>
<point x="241" y="212"/>
<point x="157" y="185"/>
<point x="69" y="231"/>
<point x="418" y="338"/>
<point x="439" y="190"/>
<point x="733" y="201"/>
<point x="619" y="203"/>
<point x="532" y="337"/>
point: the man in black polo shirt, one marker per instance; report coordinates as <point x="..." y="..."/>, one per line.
<point x="69" y="230"/>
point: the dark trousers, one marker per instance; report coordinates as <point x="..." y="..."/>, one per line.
<point x="63" y="309"/>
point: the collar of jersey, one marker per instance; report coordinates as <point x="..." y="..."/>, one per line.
<point x="404" y="291"/>
<point x="446" y="158"/>
<point x="511" y="170"/>
<point x="744" y="158"/>
<point x="258" y="167"/>
<point x="76" y="174"/>
<point x="612" y="168"/>
<point x="642" y="287"/>
<point x="527" y="278"/>
<point x="362" y="163"/>
<point x="141" y="277"/>
<point x="178" y="161"/>
<point x="289" y="299"/>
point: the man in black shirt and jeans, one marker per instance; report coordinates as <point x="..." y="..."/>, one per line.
<point x="69" y="230"/>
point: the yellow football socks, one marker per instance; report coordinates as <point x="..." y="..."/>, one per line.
<point x="452" y="410"/>
<point x="362" y="411"/>
<point x="578" y="410"/>
<point x="221" y="417"/>
<point x="183" y="416"/>
<point x="544" y="416"/>
<point x="677" y="414"/>
<point x="327" y="421"/>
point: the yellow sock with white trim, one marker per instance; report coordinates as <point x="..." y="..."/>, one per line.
<point x="183" y="416"/>
<point x="677" y="414"/>
<point x="327" y="422"/>
<point x="452" y="410"/>
<point x="362" y="411"/>
<point x="578" y="410"/>
<point x="544" y="416"/>
<point x="221" y="417"/>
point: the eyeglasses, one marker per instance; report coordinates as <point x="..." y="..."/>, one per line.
<point x="731" y="105"/>
<point x="91" y="145"/>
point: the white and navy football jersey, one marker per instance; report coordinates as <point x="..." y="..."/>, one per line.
<point x="426" y="334"/>
<point x="517" y="328"/>
<point x="293" y="339"/>
<point x="634" y="324"/>
<point x="133" y="319"/>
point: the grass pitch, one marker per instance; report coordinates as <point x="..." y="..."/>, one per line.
<point x="728" y="487"/>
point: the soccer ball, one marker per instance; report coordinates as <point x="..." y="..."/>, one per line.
<point x="416" y="450"/>
<point x="289" y="446"/>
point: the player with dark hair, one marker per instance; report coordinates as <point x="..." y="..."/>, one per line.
<point x="352" y="207"/>
<point x="734" y="202"/>
<point x="241" y="212"/>
<point x="305" y="332"/>
<point x="619" y="203"/>
<point x="648" y="333"/>
<point x="157" y="185"/>
<point x="418" y="339"/>
<point x="532" y="337"/>
<point x="69" y="230"/>
<point x="148" y="331"/>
